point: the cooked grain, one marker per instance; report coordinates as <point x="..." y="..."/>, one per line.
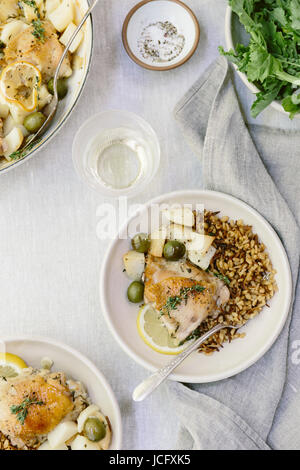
<point x="243" y="259"/>
<point x="5" y="443"/>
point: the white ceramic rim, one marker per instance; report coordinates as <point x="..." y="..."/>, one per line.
<point x="89" y="364"/>
<point x="184" y="377"/>
<point x="229" y="44"/>
<point x="189" y="54"/>
<point x="39" y="146"/>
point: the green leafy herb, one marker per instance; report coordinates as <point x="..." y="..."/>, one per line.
<point x="38" y="30"/>
<point x="21" y="153"/>
<point x="22" y="410"/>
<point x="173" y="302"/>
<point x="32" y="4"/>
<point x="194" y="335"/>
<point x="2" y="45"/>
<point x="190" y="290"/>
<point x="271" y="60"/>
<point x="222" y="277"/>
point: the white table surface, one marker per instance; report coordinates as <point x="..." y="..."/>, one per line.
<point x="49" y="250"/>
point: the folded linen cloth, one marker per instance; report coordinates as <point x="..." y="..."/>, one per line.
<point x="260" y="407"/>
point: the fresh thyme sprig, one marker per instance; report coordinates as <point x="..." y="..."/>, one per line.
<point x="38" y="30"/>
<point x="174" y="301"/>
<point x="171" y="304"/>
<point x="22" y="410"/>
<point x="193" y="290"/>
<point x="21" y="153"/>
<point x="222" y="277"/>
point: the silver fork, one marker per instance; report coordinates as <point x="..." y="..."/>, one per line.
<point x="52" y="106"/>
<point x="153" y="381"/>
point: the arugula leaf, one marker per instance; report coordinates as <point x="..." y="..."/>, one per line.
<point x="279" y="15"/>
<point x="291" y="105"/>
<point x="261" y="65"/>
<point x="271" y="60"/>
<point x="295" y="14"/>
<point x="265" y="98"/>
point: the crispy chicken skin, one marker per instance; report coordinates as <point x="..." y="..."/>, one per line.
<point x="41" y="386"/>
<point x="43" y="54"/>
<point x="166" y="279"/>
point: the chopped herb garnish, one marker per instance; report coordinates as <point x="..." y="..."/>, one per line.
<point x="194" y="335"/>
<point x="38" y="30"/>
<point x="21" y="153"/>
<point x="32" y="4"/>
<point x="222" y="277"/>
<point x="2" y="45"/>
<point x="22" y="410"/>
<point x="172" y="302"/>
<point x="186" y="290"/>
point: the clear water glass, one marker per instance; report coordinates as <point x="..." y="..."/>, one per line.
<point x="117" y="153"/>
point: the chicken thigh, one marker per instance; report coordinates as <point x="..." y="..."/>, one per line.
<point x="32" y="404"/>
<point x="184" y="294"/>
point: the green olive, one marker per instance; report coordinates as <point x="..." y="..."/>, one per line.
<point x="94" y="429"/>
<point x="174" y="250"/>
<point x="34" y="121"/>
<point x="140" y="242"/>
<point x="135" y="292"/>
<point x="62" y="87"/>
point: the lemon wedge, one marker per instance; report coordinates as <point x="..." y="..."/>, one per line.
<point x="11" y="365"/>
<point x="19" y="83"/>
<point x="155" y="334"/>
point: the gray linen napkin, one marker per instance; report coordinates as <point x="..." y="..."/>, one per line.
<point x="260" y="407"/>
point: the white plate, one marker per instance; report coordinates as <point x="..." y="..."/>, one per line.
<point x="77" y="367"/>
<point x="261" y="332"/>
<point x="230" y="45"/>
<point x="152" y="11"/>
<point x="75" y="83"/>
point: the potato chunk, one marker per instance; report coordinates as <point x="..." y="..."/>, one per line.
<point x="66" y="36"/>
<point x="61" y="434"/>
<point x="134" y="264"/>
<point x="62" y="16"/>
<point x="157" y="242"/>
<point x="13" y="141"/>
<point x="182" y="216"/>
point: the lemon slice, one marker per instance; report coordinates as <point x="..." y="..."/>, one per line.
<point x="155" y="334"/>
<point x="19" y="83"/>
<point x="11" y="365"/>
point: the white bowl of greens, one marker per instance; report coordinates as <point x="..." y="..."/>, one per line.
<point x="262" y="43"/>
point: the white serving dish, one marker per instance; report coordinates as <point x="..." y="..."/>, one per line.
<point x="76" y="366"/>
<point x="152" y="11"/>
<point x="261" y="332"/>
<point x="76" y="84"/>
<point x="230" y="45"/>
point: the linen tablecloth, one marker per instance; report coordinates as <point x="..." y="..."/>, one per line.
<point x="49" y="250"/>
<point x="238" y="413"/>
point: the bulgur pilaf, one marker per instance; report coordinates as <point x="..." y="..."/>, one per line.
<point x="241" y="259"/>
<point x="5" y="443"/>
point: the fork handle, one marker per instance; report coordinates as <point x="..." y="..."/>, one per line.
<point x="153" y="381"/>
